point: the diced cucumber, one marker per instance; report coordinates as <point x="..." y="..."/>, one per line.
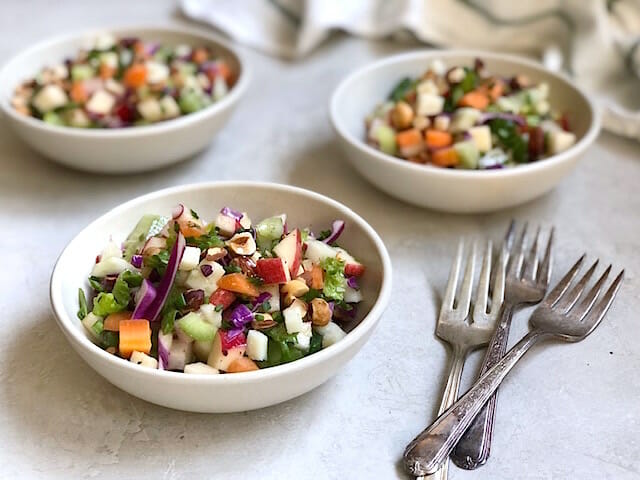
<point x="268" y="231"/>
<point x="190" y="101"/>
<point x="147" y="226"/>
<point x="53" y="118"/>
<point x="82" y="72"/>
<point x="386" y="139"/>
<point x="468" y="154"/>
<point x="197" y="328"/>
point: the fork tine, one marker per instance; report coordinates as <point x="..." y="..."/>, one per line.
<point x="531" y="263"/>
<point x="593" y="319"/>
<point x="561" y="287"/>
<point x="482" y="290"/>
<point x="509" y="236"/>
<point x="587" y="303"/>
<point x="450" y="293"/>
<point x="464" y="299"/>
<point x="544" y="270"/>
<point x="500" y="270"/>
<point x="517" y="254"/>
<point x="568" y="300"/>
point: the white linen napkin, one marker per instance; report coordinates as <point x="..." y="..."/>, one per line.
<point x="595" y="41"/>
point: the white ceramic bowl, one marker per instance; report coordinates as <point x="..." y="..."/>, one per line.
<point x="238" y="391"/>
<point x="121" y="150"/>
<point x="450" y="190"/>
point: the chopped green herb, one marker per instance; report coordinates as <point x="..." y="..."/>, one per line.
<point x="259" y="317"/>
<point x="277" y="317"/>
<point x="454" y="97"/>
<point x="159" y="261"/>
<point x="109" y="339"/>
<point x="401" y="89"/>
<point x="96" y="284"/>
<point x="311" y="294"/>
<point x="257" y="281"/>
<point x="194" y="214"/>
<point x="208" y="240"/>
<point x="324" y="234"/>
<point x="219" y="308"/>
<point x="168" y="321"/>
<point x="121" y="291"/>
<point x="106" y="303"/>
<point x="133" y="279"/>
<point x="232" y="268"/>
<point x="469" y="81"/>
<point x="509" y="137"/>
<point x="265" y="306"/>
<point x="82" y="301"/>
<point x="316" y="343"/>
<point x="98" y="327"/>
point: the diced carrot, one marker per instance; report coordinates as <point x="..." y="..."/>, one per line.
<point x="437" y="138"/>
<point x="226" y="72"/>
<point x="134" y="335"/>
<point x="135" y="76"/>
<point x="242" y="364"/>
<point x="408" y="138"/>
<point x="190" y="229"/>
<point x="222" y="297"/>
<point x="238" y="283"/>
<point x="106" y="71"/>
<point x="496" y="90"/>
<point x="112" y="322"/>
<point x="317" y="277"/>
<point x="199" y="55"/>
<point x="139" y="50"/>
<point x="445" y="157"/>
<point x="79" y="92"/>
<point x="474" y="99"/>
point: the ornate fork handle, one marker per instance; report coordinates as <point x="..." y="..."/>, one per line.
<point x="429" y="450"/>
<point x="474" y="447"/>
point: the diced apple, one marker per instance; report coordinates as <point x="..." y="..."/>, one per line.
<point x="331" y="333"/>
<point x="429" y="104"/>
<point x="150" y="109"/>
<point x="169" y="106"/>
<point x="111" y="250"/>
<point x="290" y="250"/>
<point x="226" y="350"/>
<point x="257" y="345"/>
<point x="210" y="314"/>
<point x="144" y="360"/>
<point x="197" y="280"/>
<point x="157" y="72"/>
<point x="354" y="269"/>
<point x="226" y="225"/>
<point x="351" y="295"/>
<point x="49" y="98"/>
<point x="294" y="316"/>
<point x="101" y="102"/>
<point x="481" y="136"/>
<point x="274" y="301"/>
<point x="111" y="266"/>
<point x="200" y="368"/>
<point x="190" y="259"/>
<point x="559" y="141"/>
<point x="317" y="251"/>
<point x="273" y="270"/>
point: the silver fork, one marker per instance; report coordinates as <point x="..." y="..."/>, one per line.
<point x="561" y="316"/>
<point x="453" y="327"/>
<point x="526" y="283"/>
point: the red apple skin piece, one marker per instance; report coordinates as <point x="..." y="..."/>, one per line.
<point x="225" y="350"/>
<point x="272" y="270"/>
<point x="222" y="297"/>
<point x="290" y="250"/>
<point x="354" y="269"/>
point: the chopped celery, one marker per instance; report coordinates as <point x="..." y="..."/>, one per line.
<point x="467" y="154"/>
<point x="386" y="139"/>
<point x="190" y="101"/>
<point x="53" y="118"/>
<point x="197" y="328"/>
<point x="82" y="72"/>
<point x="268" y="231"/>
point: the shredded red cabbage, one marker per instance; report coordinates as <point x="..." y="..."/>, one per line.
<point x="228" y="212"/>
<point x="136" y="261"/>
<point x="353" y="282"/>
<point x="240" y="316"/>
<point x="177" y="211"/>
<point x="164" y="346"/>
<point x="260" y="299"/>
<point x="336" y="230"/>
<point x="144" y="299"/>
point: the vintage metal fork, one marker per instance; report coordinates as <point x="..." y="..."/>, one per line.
<point x="526" y="283"/>
<point x="560" y="315"/>
<point x="464" y="333"/>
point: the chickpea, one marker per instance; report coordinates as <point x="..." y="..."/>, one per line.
<point x="402" y="115"/>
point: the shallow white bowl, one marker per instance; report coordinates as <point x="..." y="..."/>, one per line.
<point x="444" y="189"/>
<point x="131" y="149"/>
<point x="238" y="391"/>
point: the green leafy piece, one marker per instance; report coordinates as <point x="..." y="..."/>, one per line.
<point x="96" y="284"/>
<point x="106" y="303"/>
<point x="232" y="268"/>
<point x="133" y="279"/>
<point x="277" y="317"/>
<point x="219" y="308"/>
<point x="510" y="139"/>
<point x="470" y="81"/>
<point x="82" y="302"/>
<point x="257" y="281"/>
<point x="208" y="240"/>
<point x="280" y="348"/>
<point x="401" y="89"/>
<point x="148" y="226"/>
<point x="121" y="291"/>
<point x="334" y="281"/>
<point x="168" y="321"/>
<point x="98" y="327"/>
<point x="311" y="294"/>
<point x="315" y="345"/>
<point x="109" y="339"/>
<point x="265" y="306"/>
<point x="454" y="97"/>
<point x="159" y="261"/>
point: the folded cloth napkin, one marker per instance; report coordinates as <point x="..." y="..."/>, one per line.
<point x="595" y="41"/>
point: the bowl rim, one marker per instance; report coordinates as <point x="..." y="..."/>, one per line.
<point x="228" y="100"/>
<point x="447" y="173"/>
<point x="76" y="336"/>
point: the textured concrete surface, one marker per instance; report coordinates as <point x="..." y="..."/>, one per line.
<point x="567" y="412"/>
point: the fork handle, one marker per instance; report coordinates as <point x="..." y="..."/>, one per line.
<point x="430" y="449"/>
<point x="474" y="447"/>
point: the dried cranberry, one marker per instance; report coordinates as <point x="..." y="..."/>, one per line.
<point x="536" y="143"/>
<point x="125" y="113"/>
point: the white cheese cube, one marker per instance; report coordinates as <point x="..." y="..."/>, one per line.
<point x="150" y="109"/>
<point x="111" y="266"/>
<point x="303" y="339"/>
<point x="351" y="295"/>
<point x="110" y="59"/>
<point x="481" y="136"/>
<point x="190" y="259"/>
<point x="210" y="314"/>
<point x="101" y="102"/>
<point x="220" y="88"/>
<point x="226" y="225"/>
<point x="331" y="333"/>
<point x="559" y="141"/>
<point x="429" y="104"/>
<point x="257" y="345"/>
<point x="464" y="118"/>
<point x="427" y="86"/>
<point x="169" y="106"/>
<point x="438" y="67"/>
<point x="143" y="359"/>
<point x="200" y="368"/>
<point x="157" y="72"/>
<point x="49" y="98"/>
<point x="77" y="118"/>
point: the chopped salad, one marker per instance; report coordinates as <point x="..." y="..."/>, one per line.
<point x="221" y="297"/>
<point x="465" y="117"/>
<point x="125" y="82"/>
